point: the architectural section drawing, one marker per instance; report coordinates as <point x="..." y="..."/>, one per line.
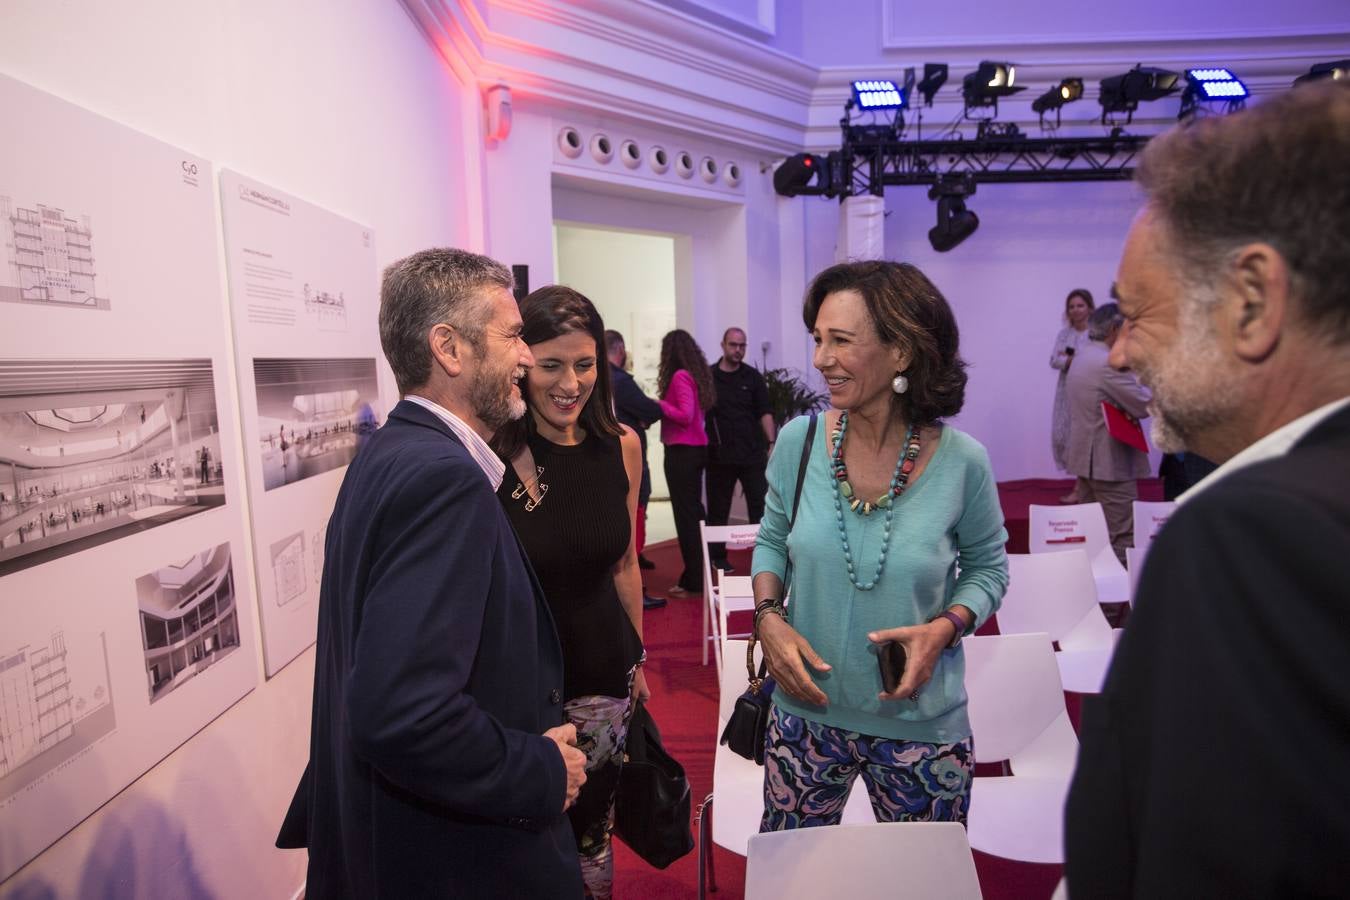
<point x="327" y="311"/>
<point x="288" y="567"/>
<point x="95" y="450"/>
<point x="189" y="619"/>
<point x="53" y="704"/>
<point x="312" y="415"/>
<point x="50" y="257"/>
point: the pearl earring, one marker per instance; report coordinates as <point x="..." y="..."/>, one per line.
<point x="899" y="384"/>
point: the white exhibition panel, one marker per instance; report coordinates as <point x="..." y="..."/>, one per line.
<point x="304" y="295"/>
<point x="125" y="627"/>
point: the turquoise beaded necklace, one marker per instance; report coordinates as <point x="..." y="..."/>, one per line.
<point x="904" y="467"/>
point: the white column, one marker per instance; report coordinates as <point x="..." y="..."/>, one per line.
<point x="862" y="228"/>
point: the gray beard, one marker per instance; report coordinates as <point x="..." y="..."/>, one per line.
<point x="492" y="402"/>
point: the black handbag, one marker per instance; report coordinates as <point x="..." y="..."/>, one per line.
<point x="651" y="811"/>
<point x="749" y="720"/>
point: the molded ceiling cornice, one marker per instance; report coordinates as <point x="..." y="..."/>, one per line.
<point x="653" y="64"/>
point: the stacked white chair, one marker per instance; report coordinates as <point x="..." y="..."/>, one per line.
<point x="1082" y="526"/>
<point x="1056" y="593"/>
<point x="912" y="859"/>
<point x="1017" y="714"/>
<point x="722" y="593"/>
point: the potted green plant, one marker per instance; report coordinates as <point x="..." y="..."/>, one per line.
<point x="790" y="396"/>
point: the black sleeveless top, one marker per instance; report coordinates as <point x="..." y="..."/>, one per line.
<point x="574" y="537"/>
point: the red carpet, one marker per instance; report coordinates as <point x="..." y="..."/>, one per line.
<point x="684" y="704"/>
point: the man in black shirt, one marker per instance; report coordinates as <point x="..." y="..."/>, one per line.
<point x="740" y="431"/>
<point x="638" y="411"/>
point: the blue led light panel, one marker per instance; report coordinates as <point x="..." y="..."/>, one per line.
<point x="1216" y="84"/>
<point x="878" y="94"/>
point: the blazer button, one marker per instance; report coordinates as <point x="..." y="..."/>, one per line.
<point x="555" y="696"/>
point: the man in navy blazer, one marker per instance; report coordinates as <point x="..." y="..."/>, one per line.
<point x="439" y="762"/>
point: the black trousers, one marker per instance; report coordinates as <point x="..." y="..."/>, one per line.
<point x="722" y="478"/>
<point x="684" y="466"/>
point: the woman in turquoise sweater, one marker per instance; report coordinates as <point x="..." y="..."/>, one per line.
<point x="893" y="504"/>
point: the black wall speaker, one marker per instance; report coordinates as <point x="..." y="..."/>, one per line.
<point x="522" y="277"/>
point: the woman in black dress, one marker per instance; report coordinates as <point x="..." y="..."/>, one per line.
<point x="571" y="492"/>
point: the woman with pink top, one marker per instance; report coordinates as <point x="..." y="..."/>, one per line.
<point x="686" y="386"/>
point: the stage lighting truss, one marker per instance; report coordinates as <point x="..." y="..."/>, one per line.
<point x="996" y="156"/>
<point x="1207" y="89"/>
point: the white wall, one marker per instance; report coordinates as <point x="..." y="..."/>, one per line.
<point x="1007" y="283"/>
<point x="343" y="104"/>
<point x="630" y="278"/>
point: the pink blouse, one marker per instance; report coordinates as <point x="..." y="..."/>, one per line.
<point x="681" y="416"/>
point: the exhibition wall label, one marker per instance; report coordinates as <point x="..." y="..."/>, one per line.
<point x="304" y="296"/>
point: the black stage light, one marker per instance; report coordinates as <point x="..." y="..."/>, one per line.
<point x="1067" y="91"/>
<point x="934" y="77"/>
<point x="798" y="171"/>
<point x="955" y="223"/>
<point x="1123" y="93"/>
<point x="1336" y="71"/>
<point x="990" y="81"/>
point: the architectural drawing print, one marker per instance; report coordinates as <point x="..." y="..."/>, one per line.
<point x="288" y="567"/>
<point x="94" y="450"/>
<point x="52" y="705"/>
<point x="327" y="311"/>
<point x="189" y="620"/>
<point x="50" y="257"/>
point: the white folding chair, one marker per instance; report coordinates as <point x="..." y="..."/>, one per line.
<point x="1056" y="593"/>
<point x="1082" y="526"/>
<point x="1149" y="518"/>
<point x="929" y="859"/>
<point x="1134" y="564"/>
<point x="723" y="594"/>
<point x="1017" y="714"/>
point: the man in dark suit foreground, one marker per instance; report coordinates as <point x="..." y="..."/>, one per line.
<point x="1216" y="761"/>
<point x="439" y="764"/>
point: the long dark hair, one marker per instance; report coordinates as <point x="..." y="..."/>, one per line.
<point x="548" y="313"/>
<point x="679" y="351"/>
<point x="909" y="312"/>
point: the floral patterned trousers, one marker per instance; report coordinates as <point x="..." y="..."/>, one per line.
<point x="809" y="770"/>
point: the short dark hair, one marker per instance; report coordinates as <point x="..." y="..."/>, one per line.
<point x="423" y="290"/>
<point x="909" y="312"/>
<point x="1103" y="319"/>
<point x="613" y="340"/>
<point x="548" y="313"/>
<point x="1274" y="173"/>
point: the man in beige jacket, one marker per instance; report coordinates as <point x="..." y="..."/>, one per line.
<point x="1106" y="468"/>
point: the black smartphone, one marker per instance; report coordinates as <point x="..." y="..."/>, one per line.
<point x="1068" y="351"/>
<point x="891" y="661"/>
